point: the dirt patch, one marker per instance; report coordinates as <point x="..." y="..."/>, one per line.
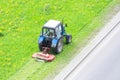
<point x="113" y="10"/>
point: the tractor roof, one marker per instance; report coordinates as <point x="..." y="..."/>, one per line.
<point x="52" y="24"/>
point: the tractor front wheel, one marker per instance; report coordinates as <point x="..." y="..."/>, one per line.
<point x="68" y="39"/>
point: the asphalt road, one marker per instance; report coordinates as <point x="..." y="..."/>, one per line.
<point x="103" y="63"/>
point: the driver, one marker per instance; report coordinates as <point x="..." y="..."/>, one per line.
<point x="51" y="33"/>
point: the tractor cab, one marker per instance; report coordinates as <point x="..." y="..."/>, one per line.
<point x="53" y="29"/>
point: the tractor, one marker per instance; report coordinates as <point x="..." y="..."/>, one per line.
<point x="53" y="36"/>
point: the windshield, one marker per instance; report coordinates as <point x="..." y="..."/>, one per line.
<point x="48" y="32"/>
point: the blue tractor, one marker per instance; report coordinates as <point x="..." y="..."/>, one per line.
<point x="53" y="36"/>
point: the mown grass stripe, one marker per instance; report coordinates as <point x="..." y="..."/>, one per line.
<point x="29" y="68"/>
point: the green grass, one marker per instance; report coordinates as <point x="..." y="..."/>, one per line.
<point x="20" y="26"/>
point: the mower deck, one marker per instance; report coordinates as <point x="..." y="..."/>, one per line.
<point x="42" y="56"/>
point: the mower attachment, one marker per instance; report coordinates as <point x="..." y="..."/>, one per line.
<point x="44" y="56"/>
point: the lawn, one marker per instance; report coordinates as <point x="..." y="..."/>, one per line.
<point x="20" y="26"/>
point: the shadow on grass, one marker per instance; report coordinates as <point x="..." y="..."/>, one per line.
<point x="1" y="34"/>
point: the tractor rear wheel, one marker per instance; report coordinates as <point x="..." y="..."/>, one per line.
<point x="59" y="46"/>
<point x="68" y="39"/>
